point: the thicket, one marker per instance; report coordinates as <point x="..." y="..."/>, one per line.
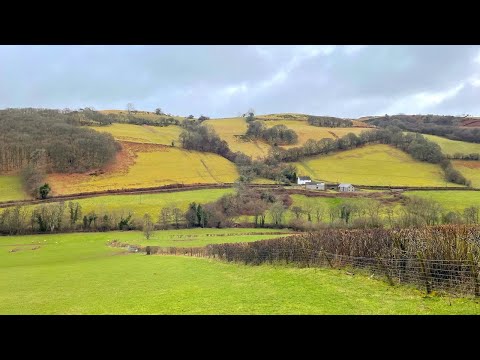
<point x="328" y="121"/>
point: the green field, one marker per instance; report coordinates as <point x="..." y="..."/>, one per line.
<point x="79" y="274"/>
<point x="449" y="199"/>
<point x="450" y="147"/>
<point x="142" y="133"/>
<point x="469" y="169"/>
<point x="373" y="165"/>
<point x="140" y="204"/>
<point x="11" y="188"/>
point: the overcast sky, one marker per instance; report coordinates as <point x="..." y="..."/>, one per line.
<point x="225" y="81"/>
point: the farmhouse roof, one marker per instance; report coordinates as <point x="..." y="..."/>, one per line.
<point x="316" y="183"/>
<point x="344" y="185"/>
<point x="304" y="178"/>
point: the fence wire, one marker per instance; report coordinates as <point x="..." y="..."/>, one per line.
<point x="460" y="277"/>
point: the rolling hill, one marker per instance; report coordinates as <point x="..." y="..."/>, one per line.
<point x="373" y="165"/>
<point x="148" y="165"/>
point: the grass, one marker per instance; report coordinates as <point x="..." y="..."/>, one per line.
<point x="450" y="200"/>
<point x="469" y="169"/>
<point x="141" y="114"/>
<point x="147" y="203"/>
<point x="306" y="131"/>
<point x="142" y="133"/>
<point x="11" y="188"/>
<point x="373" y="165"/>
<point x="450" y="147"/>
<point x="79" y="274"/>
<point x="150" y="168"/>
<point x="230" y="129"/>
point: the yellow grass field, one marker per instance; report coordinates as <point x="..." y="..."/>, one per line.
<point x="143" y="166"/>
<point x="450" y="147"/>
<point x="230" y="129"/>
<point x="11" y="188"/>
<point x="141" y="114"/>
<point x="373" y="165"/>
<point x="306" y="131"/>
<point x="142" y="133"/>
<point x="469" y="169"/>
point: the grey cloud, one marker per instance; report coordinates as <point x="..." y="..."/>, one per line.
<point x="202" y="79"/>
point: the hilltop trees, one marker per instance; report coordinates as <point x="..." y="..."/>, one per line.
<point x="276" y="135"/>
<point x="50" y="141"/>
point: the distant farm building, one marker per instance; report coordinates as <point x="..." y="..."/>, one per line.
<point x="302" y="180"/>
<point x="315" y="186"/>
<point x="346" y="188"/>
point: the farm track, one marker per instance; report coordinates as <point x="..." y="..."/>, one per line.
<point x="181" y="187"/>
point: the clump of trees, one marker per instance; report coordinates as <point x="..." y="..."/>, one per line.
<point x="52" y="140"/>
<point x="328" y="121"/>
<point x="276" y="135"/>
<point x="196" y="136"/>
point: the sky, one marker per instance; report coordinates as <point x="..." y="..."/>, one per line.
<point x="347" y="81"/>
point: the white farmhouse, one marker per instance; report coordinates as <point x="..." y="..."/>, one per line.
<point x="346" y="187"/>
<point x="302" y="180"/>
<point x="315" y="186"/>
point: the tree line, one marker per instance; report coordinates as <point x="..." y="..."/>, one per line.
<point x="328" y="121"/>
<point x="266" y="209"/>
<point x="445" y="126"/>
<point x="414" y="144"/>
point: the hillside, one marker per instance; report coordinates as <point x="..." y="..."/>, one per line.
<point x="11" y="188"/>
<point x="470" y="169"/>
<point x="451" y="147"/>
<point x="149" y="165"/>
<point x="142" y="133"/>
<point x="231" y="129"/>
<point x="373" y="165"/>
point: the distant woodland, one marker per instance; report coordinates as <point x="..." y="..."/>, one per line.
<point x="446" y="126"/>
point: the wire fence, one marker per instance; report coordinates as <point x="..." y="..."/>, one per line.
<point x="456" y="277"/>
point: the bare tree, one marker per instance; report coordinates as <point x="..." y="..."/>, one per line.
<point x="147" y="226"/>
<point x="165" y="217"/>
<point x="277" y="211"/>
<point x="130" y="107"/>
<point x="177" y="215"/>
<point x="297" y="211"/>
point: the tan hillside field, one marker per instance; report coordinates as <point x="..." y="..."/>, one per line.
<point x="142" y="133"/>
<point x="148" y="165"/>
<point x="231" y="129"/>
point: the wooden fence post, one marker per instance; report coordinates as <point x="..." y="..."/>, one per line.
<point x="425" y="273"/>
<point x="385" y="270"/>
<point x="475" y="273"/>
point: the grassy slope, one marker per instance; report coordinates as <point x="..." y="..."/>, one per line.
<point x="141" y="114"/>
<point x="78" y="274"/>
<point x="373" y="165"/>
<point x="153" y="168"/>
<point x="142" y="134"/>
<point x="450" y="200"/>
<point x="469" y="169"/>
<point x="450" y="147"/>
<point x="147" y="203"/>
<point x="305" y="131"/>
<point x="228" y="128"/>
<point x="11" y="188"/>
